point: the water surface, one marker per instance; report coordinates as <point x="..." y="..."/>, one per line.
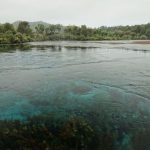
<point x="108" y="83"/>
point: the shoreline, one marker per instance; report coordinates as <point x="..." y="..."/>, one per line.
<point x="101" y="41"/>
<point x="142" y="42"/>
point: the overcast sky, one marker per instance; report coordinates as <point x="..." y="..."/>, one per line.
<point x="90" y="12"/>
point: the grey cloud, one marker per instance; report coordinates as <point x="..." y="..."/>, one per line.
<point x="89" y="12"/>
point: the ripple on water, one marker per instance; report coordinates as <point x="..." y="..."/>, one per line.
<point x="106" y="108"/>
<point x="78" y="96"/>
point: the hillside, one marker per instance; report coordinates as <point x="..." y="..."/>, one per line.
<point x="32" y="24"/>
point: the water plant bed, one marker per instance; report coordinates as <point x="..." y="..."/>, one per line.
<point x="73" y="133"/>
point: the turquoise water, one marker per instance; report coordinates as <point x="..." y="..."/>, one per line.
<point x="106" y="83"/>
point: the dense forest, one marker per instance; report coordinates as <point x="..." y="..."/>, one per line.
<point x="23" y="32"/>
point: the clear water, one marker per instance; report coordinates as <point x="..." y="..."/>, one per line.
<point x="102" y="81"/>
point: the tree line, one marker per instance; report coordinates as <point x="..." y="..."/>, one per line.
<point x="24" y="33"/>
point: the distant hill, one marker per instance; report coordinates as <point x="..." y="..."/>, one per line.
<point x="32" y="24"/>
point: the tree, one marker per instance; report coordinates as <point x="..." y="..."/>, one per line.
<point x="24" y="28"/>
<point x="84" y="30"/>
<point x="1" y="28"/>
<point x="40" y="28"/>
<point x="53" y="29"/>
<point x="8" y="27"/>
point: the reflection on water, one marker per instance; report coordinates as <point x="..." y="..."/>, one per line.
<point x="88" y="95"/>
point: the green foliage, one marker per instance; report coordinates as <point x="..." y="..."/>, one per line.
<point x="73" y="134"/>
<point x="40" y="29"/>
<point x="8" y="35"/>
<point x="53" y="29"/>
<point x="47" y="132"/>
<point x="24" y="28"/>
<point x="8" y="27"/>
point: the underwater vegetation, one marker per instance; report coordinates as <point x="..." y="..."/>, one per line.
<point x="45" y="132"/>
<point x="74" y="133"/>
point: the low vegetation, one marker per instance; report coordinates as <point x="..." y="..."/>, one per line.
<point x="10" y="34"/>
<point x="45" y="132"/>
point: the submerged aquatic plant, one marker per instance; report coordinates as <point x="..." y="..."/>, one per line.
<point x="75" y="134"/>
<point x="52" y="132"/>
